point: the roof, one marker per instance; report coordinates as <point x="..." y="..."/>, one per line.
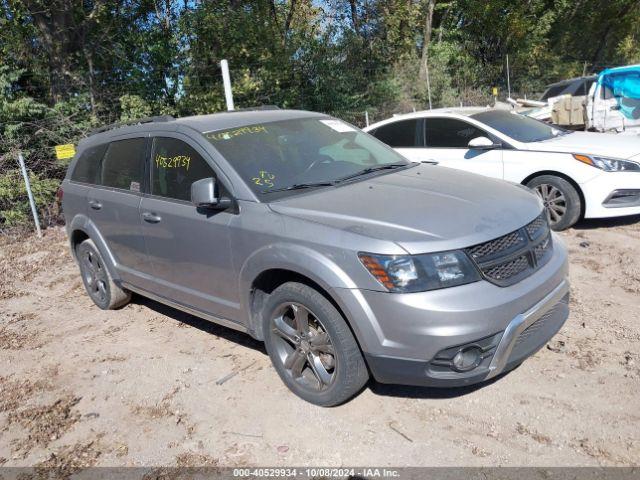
<point x="204" y="123"/>
<point x="436" y="112"/>
<point x="626" y="68"/>
<point x="240" y="118"/>
<point x="464" y="111"/>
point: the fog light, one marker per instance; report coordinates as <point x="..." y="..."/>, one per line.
<point x="467" y="359"/>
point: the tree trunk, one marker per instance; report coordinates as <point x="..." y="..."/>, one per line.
<point x="57" y="30"/>
<point x="428" y="26"/>
<point x="287" y="23"/>
<point x="354" y="16"/>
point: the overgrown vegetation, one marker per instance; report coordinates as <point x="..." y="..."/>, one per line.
<point x="69" y="66"/>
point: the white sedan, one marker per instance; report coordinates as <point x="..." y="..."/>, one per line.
<point x="577" y="174"/>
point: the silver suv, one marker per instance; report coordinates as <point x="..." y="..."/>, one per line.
<point x="346" y="259"/>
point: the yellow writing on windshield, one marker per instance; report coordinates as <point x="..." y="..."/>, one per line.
<point x="236" y="133"/>
<point x="178" y="161"/>
<point x="264" y="178"/>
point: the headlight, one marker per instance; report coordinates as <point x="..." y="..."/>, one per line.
<point x="418" y="273"/>
<point x="608" y="164"/>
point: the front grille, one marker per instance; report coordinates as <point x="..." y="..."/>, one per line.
<point x="507" y="270"/>
<point x="488" y="250"/>
<point x="511" y="258"/>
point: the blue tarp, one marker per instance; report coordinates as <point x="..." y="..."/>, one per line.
<point x="623" y="84"/>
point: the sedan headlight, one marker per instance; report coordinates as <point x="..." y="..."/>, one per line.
<point x="418" y="273"/>
<point x="608" y="164"/>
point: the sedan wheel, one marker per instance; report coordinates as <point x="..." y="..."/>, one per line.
<point x="561" y="200"/>
<point x="554" y="201"/>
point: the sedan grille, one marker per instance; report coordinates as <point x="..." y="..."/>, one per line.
<point x="513" y="257"/>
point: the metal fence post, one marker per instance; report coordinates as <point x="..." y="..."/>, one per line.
<point x="30" y="194"/>
<point x="366" y="117"/>
<point x="226" y="80"/>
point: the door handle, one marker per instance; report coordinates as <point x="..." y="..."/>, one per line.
<point x="96" y="205"/>
<point x="151" y="217"/>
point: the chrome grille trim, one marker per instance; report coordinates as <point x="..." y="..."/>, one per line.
<point x="513" y="257"/>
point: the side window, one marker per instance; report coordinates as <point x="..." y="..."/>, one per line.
<point x="86" y="168"/>
<point x="450" y="133"/>
<point x="175" y="165"/>
<point x="123" y="164"/>
<point x="405" y="133"/>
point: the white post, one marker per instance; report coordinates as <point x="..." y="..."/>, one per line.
<point x="366" y="117"/>
<point x="508" y="79"/>
<point x="226" y="80"/>
<point x="31" y="201"/>
<point x="428" y="85"/>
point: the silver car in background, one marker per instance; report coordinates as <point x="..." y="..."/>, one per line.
<point x="347" y="260"/>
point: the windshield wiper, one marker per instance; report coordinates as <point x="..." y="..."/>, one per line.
<point x="368" y="170"/>
<point x="300" y="186"/>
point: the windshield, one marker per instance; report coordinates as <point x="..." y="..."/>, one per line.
<point x="518" y="127"/>
<point x="303" y="153"/>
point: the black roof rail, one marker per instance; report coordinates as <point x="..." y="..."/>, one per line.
<point x="259" y="107"/>
<point x="139" y="121"/>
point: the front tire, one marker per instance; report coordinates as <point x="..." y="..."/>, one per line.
<point x="561" y="200"/>
<point x="97" y="279"/>
<point x="311" y="346"/>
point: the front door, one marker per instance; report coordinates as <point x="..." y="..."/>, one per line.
<point x="447" y="142"/>
<point x="188" y="248"/>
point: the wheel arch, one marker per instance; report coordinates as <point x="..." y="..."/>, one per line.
<point x="275" y="265"/>
<point x="564" y="176"/>
<point x="82" y="228"/>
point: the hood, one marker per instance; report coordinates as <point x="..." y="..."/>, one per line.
<point x="423" y="209"/>
<point x="605" y="144"/>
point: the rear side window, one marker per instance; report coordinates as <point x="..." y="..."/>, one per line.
<point x="123" y="164"/>
<point x="86" y="168"/>
<point x="450" y="133"/>
<point x="175" y="165"/>
<point x="405" y="133"/>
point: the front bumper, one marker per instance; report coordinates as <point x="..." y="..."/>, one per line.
<point x="405" y="336"/>
<point x="601" y="198"/>
<point x="514" y="345"/>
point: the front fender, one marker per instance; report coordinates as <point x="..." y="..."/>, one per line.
<point x="301" y="260"/>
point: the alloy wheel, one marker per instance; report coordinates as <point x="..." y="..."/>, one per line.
<point x="303" y="346"/>
<point x="95" y="276"/>
<point x="554" y="201"/>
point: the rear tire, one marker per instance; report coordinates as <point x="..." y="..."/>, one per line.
<point x="561" y="200"/>
<point x="311" y="346"/>
<point x="97" y="279"/>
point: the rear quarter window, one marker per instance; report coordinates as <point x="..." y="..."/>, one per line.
<point x="86" y="167"/>
<point x="123" y="164"/>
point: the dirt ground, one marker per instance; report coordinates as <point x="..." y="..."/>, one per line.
<point x="149" y="386"/>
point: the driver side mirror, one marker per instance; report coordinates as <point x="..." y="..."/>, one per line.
<point x="205" y="193"/>
<point x="483" y="143"/>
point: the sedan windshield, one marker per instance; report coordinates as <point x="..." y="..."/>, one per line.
<point x="299" y="154"/>
<point x="518" y="127"/>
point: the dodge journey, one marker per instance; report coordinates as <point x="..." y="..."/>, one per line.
<point x="345" y="258"/>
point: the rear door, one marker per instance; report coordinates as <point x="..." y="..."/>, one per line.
<point x="405" y="136"/>
<point x="447" y="141"/>
<point x="81" y="179"/>
<point x="189" y="248"/>
<point x="113" y="206"/>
